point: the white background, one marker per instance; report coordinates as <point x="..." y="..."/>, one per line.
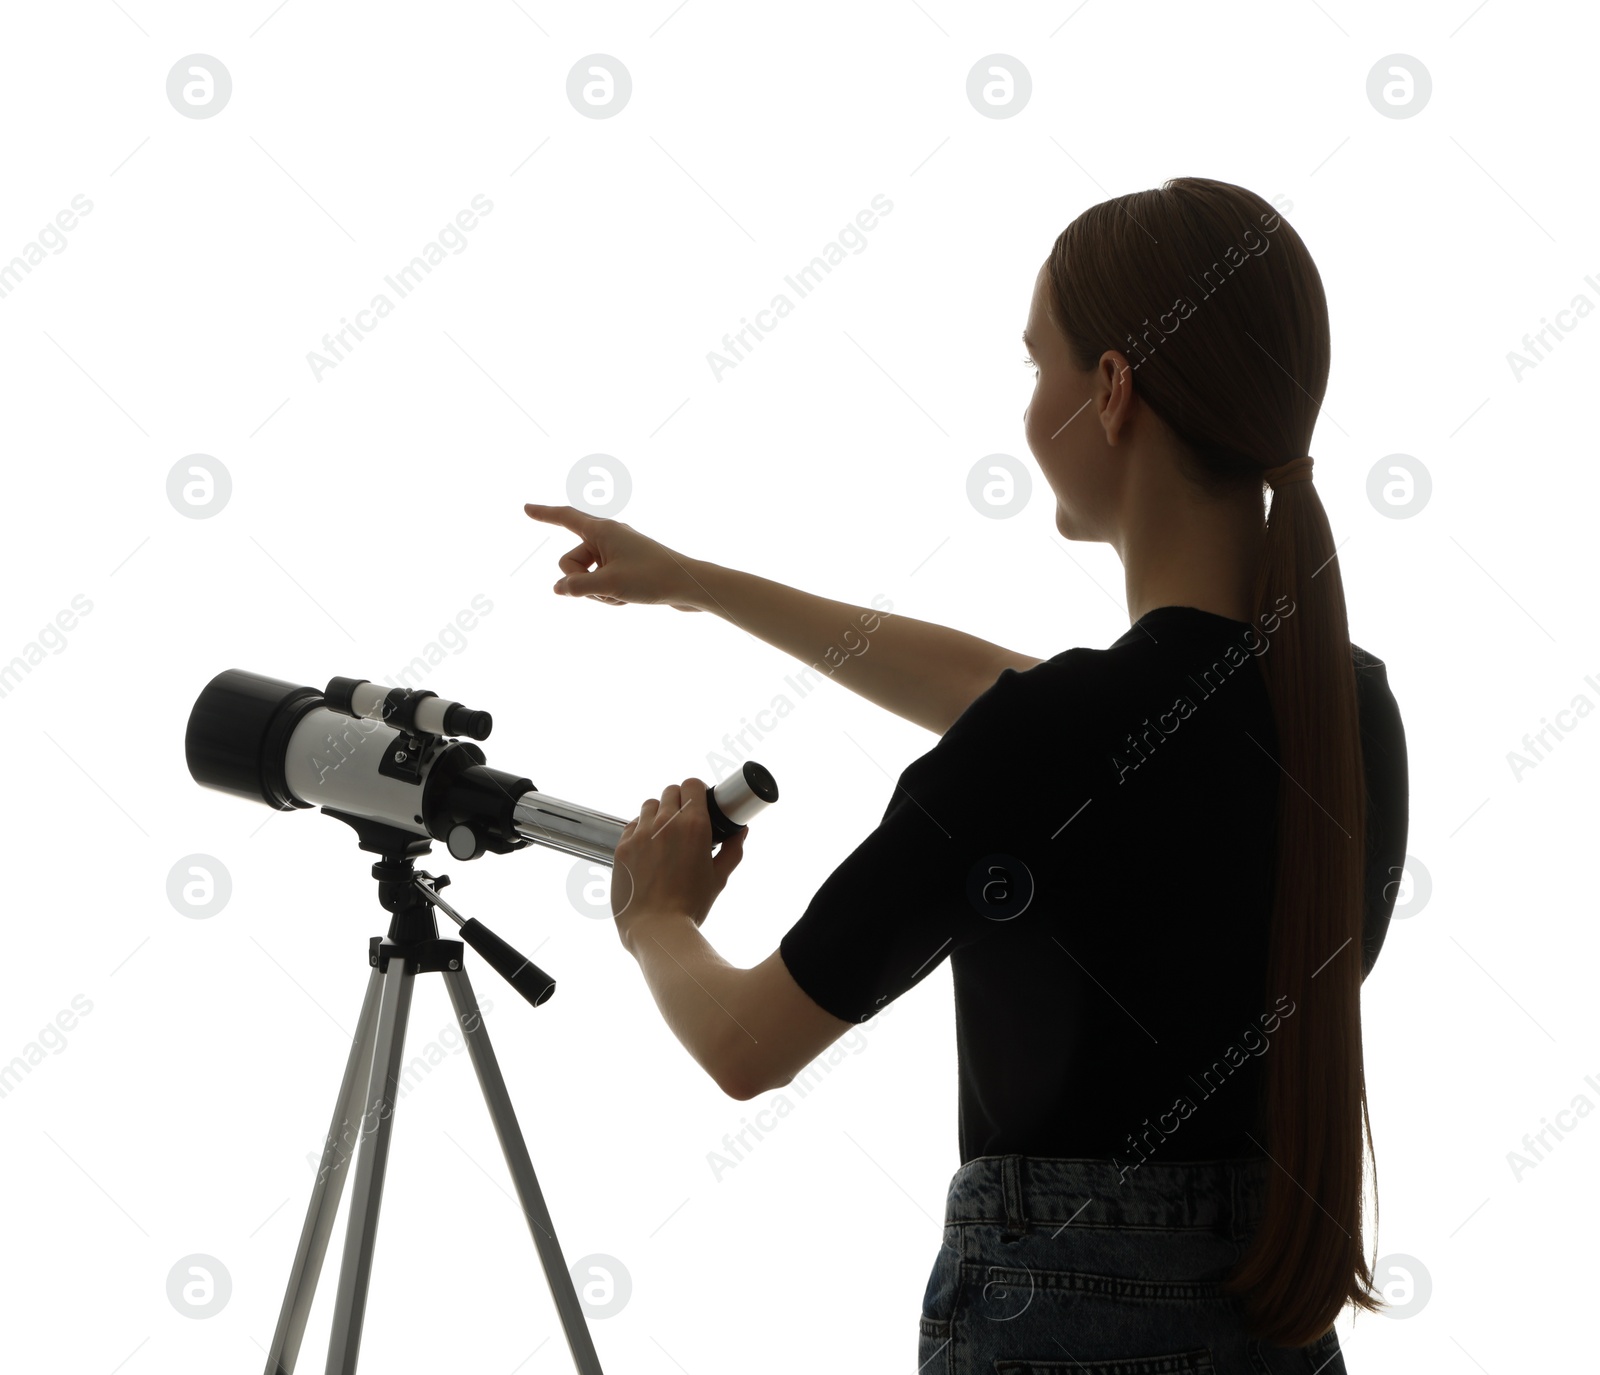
<point x="371" y="505"/>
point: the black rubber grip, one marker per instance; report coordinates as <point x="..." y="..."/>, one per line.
<point x="521" y="973"/>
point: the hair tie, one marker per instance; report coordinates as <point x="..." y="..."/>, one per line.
<point x="1295" y="470"/>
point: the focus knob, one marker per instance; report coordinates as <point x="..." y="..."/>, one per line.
<point x="464" y="842"/>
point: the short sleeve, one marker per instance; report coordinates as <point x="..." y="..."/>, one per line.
<point x="931" y="879"/>
<point x="1383" y="751"/>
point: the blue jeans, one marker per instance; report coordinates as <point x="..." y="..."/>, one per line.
<point x="1066" y="1267"/>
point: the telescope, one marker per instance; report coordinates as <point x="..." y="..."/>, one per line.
<point x="384" y="754"/>
<point x="385" y="761"/>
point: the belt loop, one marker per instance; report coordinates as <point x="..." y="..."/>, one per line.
<point x="1235" y="1203"/>
<point x="1011" y="1188"/>
<point x="1244" y="1202"/>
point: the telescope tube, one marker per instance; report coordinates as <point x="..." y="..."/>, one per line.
<point x="282" y="744"/>
<point x="581" y="830"/>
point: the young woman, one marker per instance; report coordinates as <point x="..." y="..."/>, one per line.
<point x="1161" y="870"/>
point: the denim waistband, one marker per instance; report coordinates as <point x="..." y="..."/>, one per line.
<point x="1014" y="1191"/>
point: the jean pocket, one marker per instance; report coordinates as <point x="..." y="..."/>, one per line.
<point x="944" y="1279"/>
<point x="933" y="1347"/>
<point x="935" y="1352"/>
<point x="1321" y="1357"/>
<point x="1194" y="1362"/>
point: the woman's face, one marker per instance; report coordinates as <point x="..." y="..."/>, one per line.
<point x="1066" y="424"/>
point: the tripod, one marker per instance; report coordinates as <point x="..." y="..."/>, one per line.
<point x="371" y="1076"/>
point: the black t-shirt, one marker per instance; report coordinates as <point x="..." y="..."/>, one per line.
<point x="1091" y="845"/>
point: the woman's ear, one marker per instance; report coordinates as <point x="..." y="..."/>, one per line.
<point x="1113" y="393"/>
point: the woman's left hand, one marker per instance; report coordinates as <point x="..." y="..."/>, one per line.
<point x="663" y="864"/>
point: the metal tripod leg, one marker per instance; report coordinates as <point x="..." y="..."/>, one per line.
<point x="556" y="1275"/>
<point x="362" y="1120"/>
<point x="337" y="1152"/>
<point x="361" y="1231"/>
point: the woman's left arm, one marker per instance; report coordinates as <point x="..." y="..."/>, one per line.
<point x="752" y="1029"/>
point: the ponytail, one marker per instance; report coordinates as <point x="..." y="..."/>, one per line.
<point x="1306" y="1259"/>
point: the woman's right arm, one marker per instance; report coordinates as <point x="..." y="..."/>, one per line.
<point x="924" y="672"/>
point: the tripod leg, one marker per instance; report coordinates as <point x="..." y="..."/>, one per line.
<point x="373" y="1155"/>
<point x="493" y="1085"/>
<point x="326" y="1192"/>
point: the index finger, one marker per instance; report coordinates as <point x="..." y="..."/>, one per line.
<point x="579" y="522"/>
<point x="694" y="794"/>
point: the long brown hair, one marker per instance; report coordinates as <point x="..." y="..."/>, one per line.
<point x="1216" y="303"/>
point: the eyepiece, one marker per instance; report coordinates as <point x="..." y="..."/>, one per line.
<point x="460" y="720"/>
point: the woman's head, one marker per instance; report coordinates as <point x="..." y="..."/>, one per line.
<point x="1191" y="317"/>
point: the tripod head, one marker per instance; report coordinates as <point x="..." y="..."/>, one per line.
<point x="409" y="895"/>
